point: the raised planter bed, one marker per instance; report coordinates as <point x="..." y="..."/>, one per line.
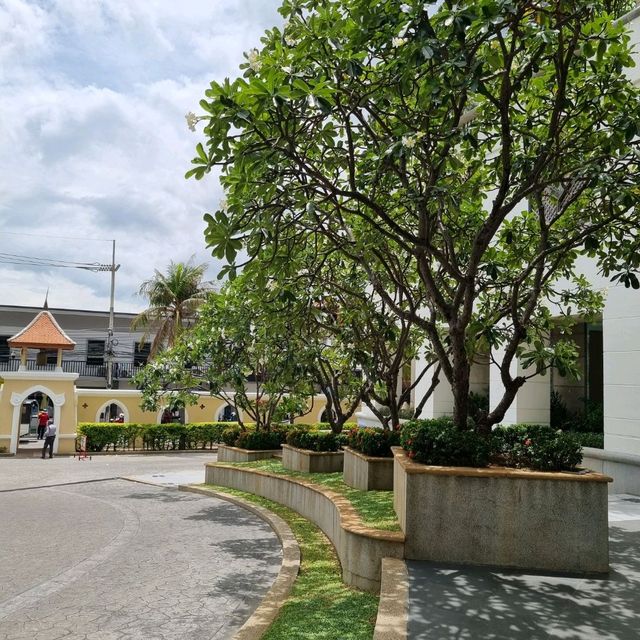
<point x="503" y="517"/>
<point x="235" y="454"/>
<point x="367" y="473"/>
<point x="359" y="548"/>
<point x="311" y="461"/>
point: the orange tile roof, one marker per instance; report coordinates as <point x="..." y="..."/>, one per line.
<point x="43" y="332"/>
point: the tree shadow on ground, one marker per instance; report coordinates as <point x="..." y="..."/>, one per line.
<point x="163" y="495"/>
<point x="227" y="513"/>
<point x="469" y="603"/>
<point x="265" y="550"/>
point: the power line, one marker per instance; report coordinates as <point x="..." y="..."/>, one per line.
<point x="34" y="261"/>
<point x="33" y="235"/>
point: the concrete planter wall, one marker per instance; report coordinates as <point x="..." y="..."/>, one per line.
<point x="311" y="461"/>
<point x="503" y="517"/>
<point x="367" y="473"/>
<point x="235" y="454"/>
<point x="359" y="548"/>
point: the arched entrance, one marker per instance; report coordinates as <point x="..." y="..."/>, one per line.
<point x="112" y="411"/>
<point x="227" y="414"/>
<point x="173" y="415"/>
<point x="36" y="409"/>
<point x="26" y="406"/>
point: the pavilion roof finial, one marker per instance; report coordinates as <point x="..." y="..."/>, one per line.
<point x="46" y="300"/>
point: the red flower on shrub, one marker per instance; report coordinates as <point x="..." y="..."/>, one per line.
<point x="527" y="442"/>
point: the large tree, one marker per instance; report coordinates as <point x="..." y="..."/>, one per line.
<point x="468" y="153"/>
<point x="173" y="299"/>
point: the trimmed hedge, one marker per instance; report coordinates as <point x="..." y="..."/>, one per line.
<point x="131" y="436"/>
<point x="373" y="442"/>
<point x="154" y="437"/>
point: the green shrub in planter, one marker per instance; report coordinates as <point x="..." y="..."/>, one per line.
<point x="313" y="440"/>
<point x="256" y="440"/>
<point x="439" y="442"/>
<point x="536" y="446"/>
<point x="230" y="435"/>
<point x="372" y="442"/>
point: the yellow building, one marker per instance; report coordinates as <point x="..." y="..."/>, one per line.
<point x="39" y="385"/>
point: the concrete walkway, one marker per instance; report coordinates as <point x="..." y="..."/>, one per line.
<point x="481" y="604"/>
<point x="83" y="556"/>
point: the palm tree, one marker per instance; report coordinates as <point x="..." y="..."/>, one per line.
<point x="173" y="300"/>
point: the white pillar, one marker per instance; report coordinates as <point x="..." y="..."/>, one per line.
<point x="440" y="403"/>
<point x="531" y="404"/>
<point x="620" y="322"/>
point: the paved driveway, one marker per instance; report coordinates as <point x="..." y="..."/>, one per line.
<point x="110" y="559"/>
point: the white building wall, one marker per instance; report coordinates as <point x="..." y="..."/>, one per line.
<point x="621" y="338"/>
<point x="531" y="405"/>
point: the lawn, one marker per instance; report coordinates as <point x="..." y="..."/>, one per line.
<point x="320" y="606"/>
<point x="374" y="507"/>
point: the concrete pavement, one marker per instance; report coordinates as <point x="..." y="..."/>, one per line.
<point x="109" y="559"/>
<point x="21" y="473"/>
<point x="482" y="604"/>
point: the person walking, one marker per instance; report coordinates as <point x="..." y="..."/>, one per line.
<point x="49" y="438"/>
<point x="43" y="419"/>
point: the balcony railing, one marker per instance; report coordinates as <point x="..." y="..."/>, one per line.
<point x="121" y="370"/>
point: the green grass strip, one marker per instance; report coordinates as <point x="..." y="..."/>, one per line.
<point x="374" y="507"/>
<point x="320" y="606"/>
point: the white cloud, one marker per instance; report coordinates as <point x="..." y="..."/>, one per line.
<point x="93" y="141"/>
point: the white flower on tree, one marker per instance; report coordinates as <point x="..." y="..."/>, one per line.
<point x="191" y="119"/>
<point x="254" y="60"/>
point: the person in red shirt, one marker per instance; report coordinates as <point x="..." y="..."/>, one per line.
<point x="43" y="419"/>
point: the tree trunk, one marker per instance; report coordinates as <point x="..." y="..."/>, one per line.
<point x="460" y="382"/>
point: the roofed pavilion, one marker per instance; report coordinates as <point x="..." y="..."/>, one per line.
<point x="43" y="333"/>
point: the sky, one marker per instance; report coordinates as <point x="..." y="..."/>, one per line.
<point x="94" y="143"/>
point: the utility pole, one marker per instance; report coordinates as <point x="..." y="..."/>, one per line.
<point x="109" y="350"/>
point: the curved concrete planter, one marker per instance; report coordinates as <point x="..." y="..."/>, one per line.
<point x="503" y="517"/>
<point x="359" y="548"/>
<point x="235" y="454"/>
<point x="311" y="461"/>
<point x="367" y="473"/>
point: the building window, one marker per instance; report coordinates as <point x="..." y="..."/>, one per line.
<point x="141" y="353"/>
<point x="5" y="351"/>
<point x="95" y="352"/>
